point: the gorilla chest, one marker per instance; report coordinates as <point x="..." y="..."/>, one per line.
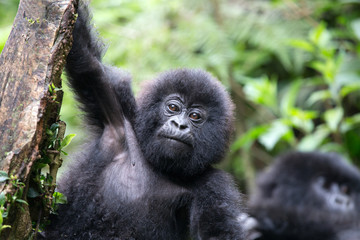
<point x="136" y="185"/>
<point x="143" y="200"/>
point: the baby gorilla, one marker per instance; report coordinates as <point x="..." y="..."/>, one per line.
<point x="306" y="196"/>
<point x="146" y="172"/>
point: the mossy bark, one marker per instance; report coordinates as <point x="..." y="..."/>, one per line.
<point x="32" y="60"/>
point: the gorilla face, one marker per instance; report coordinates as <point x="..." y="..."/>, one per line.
<point x="184" y="122"/>
<point x="181" y="121"/>
<point x="336" y="197"/>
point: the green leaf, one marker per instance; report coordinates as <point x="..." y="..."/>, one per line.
<point x="301" y="44"/>
<point x="320" y="95"/>
<point x="262" y="91"/>
<point x="312" y="142"/>
<point x="49" y="132"/>
<point x="66" y="141"/>
<point x="54" y="126"/>
<point x="320" y="36"/>
<point x="32" y="193"/>
<point x="355" y="25"/>
<point x="38" y="166"/>
<point x="333" y="118"/>
<point x="350" y="123"/>
<point x="1" y="220"/>
<point x="302" y="119"/>
<point x="51" y="88"/>
<point x="3" y="176"/>
<point x="2" y="199"/>
<point x="5" y="214"/>
<point x="21" y="201"/>
<point x="289" y="99"/>
<point x="59" y="198"/>
<point x="272" y="136"/>
<point x="65" y="153"/>
<point x="247" y="139"/>
<point x="327" y="69"/>
<point x="346" y="90"/>
<point x="5" y="226"/>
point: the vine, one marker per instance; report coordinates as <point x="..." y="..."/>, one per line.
<point x="43" y="177"/>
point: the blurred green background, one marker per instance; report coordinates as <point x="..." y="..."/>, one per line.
<point x="292" y="67"/>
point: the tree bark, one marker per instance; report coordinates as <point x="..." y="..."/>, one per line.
<point x="31" y="64"/>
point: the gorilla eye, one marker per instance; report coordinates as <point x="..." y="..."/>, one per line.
<point x="195" y="116"/>
<point x="345" y="189"/>
<point x="173" y="107"/>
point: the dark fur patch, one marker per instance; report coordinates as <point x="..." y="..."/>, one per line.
<point x="287" y="205"/>
<point x="197" y="87"/>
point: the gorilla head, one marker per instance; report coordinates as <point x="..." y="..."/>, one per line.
<point x="308" y="196"/>
<point x="180" y="117"/>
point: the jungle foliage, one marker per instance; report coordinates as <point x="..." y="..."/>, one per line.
<point x="292" y="66"/>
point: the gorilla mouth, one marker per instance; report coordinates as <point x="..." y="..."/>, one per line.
<point x="187" y="140"/>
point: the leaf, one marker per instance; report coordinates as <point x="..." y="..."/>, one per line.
<point x="333" y="118"/>
<point x="312" y="141"/>
<point x="272" y="136"/>
<point x="333" y="147"/>
<point x="22" y="201"/>
<point x="49" y="132"/>
<point x="3" y="176"/>
<point x="301" y="44"/>
<point x="59" y="198"/>
<point x="302" y="119"/>
<point x="289" y="99"/>
<point x="65" y="153"/>
<point x="327" y="69"/>
<point x="39" y="165"/>
<point x="32" y="193"/>
<point x="320" y="95"/>
<point x="5" y="226"/>
<point x="54" y="126"/>
<point x="350" y="122"/>
<point x="355" y="25"/>
<point x="319" y="66"/>
<point x="262" y="91"/>
<point x="346" y="90"/>
<point x="66" y="141"/>
<point x="320" y="36"/>
<point x="247" y="139"/>
<point x="51" y="88"/>
<point x="2" y="199"/>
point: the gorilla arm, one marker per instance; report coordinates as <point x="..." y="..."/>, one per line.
<point x="216" y="210"/>
<point x="106" y="99"/>
<point x="104" y="92"/>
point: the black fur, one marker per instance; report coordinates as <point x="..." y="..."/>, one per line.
<point x="130" y="183"/>
<point x="308" y="196"/>
<point x="212" y="139"/>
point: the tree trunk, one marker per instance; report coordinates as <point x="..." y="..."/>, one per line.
<point x="30" y="98"/>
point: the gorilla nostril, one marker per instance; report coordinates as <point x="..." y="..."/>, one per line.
<point x="173" y="122"/>
<point x="181" y="126"/>
<point x="339" y="201"/>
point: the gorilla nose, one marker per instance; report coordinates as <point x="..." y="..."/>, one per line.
<point x="179" y="123"/>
